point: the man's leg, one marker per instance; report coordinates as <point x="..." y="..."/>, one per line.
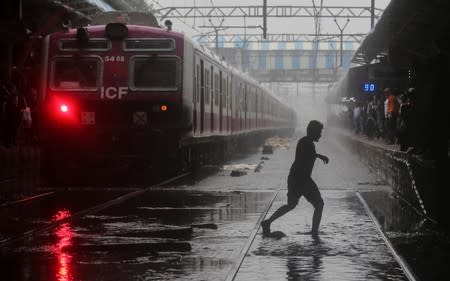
<point x="317" y="217"/>
<point x="315" y="198"/>
<point x="292" y="202"/>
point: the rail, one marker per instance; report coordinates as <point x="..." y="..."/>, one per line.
<point x="90" y="210"/>
<point x="235" y="269"/>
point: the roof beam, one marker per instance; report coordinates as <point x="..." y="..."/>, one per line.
<point x="228" y="38"/>
<point x="272" y="11"/>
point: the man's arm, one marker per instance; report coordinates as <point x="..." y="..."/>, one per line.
<point x="323" y="158"/>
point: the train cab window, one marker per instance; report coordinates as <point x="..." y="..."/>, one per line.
<point x="94" y="44"/>
<point x="76" y="73"/>
<point x="154" y="73"/>
<point x="149" y="44"/>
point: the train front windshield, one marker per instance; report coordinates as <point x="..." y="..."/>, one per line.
<point x="75" y="73"/>
<point x="155" y="73"/>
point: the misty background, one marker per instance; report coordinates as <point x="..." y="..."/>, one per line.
<point x="308" y="99"/>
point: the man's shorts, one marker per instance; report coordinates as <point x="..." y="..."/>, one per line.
<point x="307" y="188"/>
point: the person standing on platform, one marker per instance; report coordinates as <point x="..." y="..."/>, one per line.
<point x="379" y="109"/>
<point x="403" y="121"/>
<point x="12" y="114"/>
<point x="357" y="112"/>
<point x="392" y="108"/>
<point x="300" y="182"/>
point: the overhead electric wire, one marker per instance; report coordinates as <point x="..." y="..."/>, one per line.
<point x="156" y="2"/>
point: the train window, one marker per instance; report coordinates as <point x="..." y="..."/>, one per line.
<point x="92" y="44"/>
<point x="197" y="83"/>
<point x="230" y="93"/>
<point x="212" y="87"/>
<point x="224" y="94"/>
<point x="75" y="73"/>
<point x="149" y="44"/>
<point x="245" y="98"/>
<point x="196" y="88"/>
<point x="207" y="86"/>
<point x="154" y="73"/>
<point x="216" y="89"/>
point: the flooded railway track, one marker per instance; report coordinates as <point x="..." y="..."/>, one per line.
<point x="159" y="231"/>
<point x="27" y="199"/>
<point x="27" y="205"/>
<point x="203" y="230"/>
<point x="410" y="275"/>
<point x="235" y="269"/>
<point x="401" y="261"/>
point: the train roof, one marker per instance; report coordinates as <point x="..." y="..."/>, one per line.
<point x="212" y="55"/>
<point x="99" y="30"/>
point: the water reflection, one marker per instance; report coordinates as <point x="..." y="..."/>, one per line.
<point x="64" y="234"/>
<point x="298" y="269"/>
<point x="393" y="213"/>
<point x="60" y="215"/>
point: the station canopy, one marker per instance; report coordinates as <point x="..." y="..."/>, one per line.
<point x="407" y="28"/>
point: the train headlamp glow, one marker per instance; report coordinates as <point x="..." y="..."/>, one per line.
<point x="64" y="108"/>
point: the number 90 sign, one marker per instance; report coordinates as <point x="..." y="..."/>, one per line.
<point x="369" y="87"/>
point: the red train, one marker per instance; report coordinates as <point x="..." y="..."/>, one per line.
<point x="148" y="93"/>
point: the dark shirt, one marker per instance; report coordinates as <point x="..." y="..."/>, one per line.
<point x="305" y="155"/>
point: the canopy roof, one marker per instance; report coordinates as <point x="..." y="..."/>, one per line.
<point x="408" y="27"/>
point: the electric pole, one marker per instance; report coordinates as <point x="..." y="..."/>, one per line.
<point x="264" y="19"/>
<point x="341" y="29"/>
<point x="216" y="30"/>
<point x="372" y="14"/>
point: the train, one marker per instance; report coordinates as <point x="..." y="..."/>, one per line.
<point x="148" y="94"/>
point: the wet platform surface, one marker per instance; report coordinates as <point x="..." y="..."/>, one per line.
<point x="125" y="242"/>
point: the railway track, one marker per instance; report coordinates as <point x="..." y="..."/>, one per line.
<point x="409" y="273"/>
<point x="237" y="265"/>
<point x="79" y="214"/>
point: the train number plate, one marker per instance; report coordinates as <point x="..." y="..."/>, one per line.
<point x="88" y="118"/>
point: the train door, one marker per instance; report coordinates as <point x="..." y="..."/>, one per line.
<point x="250" y="107"/>
<point x="237" y="107"/>
<point x="216" y="101"/>
<point x="207" y="99"/>
<point x="241" y="107"/>
<point x="228" y="101"/>
<point x="245" y="106"/>
<point x="221" y="86"/>
<point x="213" y="99"/>
<point x="202" y="97"/>
<point x="256" y="109"/>
<point x="195" y="95"/>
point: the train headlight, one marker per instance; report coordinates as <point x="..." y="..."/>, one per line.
<point x="64" y="108"/>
